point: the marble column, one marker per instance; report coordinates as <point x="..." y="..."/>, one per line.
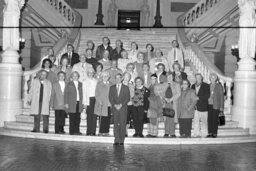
<point x="244" y="107"/>
<point x="99" y="16"/>
<point x="10" y="69"/>
<point x="158" y="17"/>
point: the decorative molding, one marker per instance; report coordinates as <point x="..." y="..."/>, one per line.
<point x="181" y="6"/>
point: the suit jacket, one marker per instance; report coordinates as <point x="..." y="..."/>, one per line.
<point x="218" y="97"/>
<point x="70" y="97"/>
<point x="34" y="94"/>
<point x="74" y="59"/>
<point x="57" y="97"/>
<point x="100" y="50"/>
<point x="186" y="104"/>
<point x="115" y="55"/>
<point x="123" y="98"/>
<point x="203" y="94"/>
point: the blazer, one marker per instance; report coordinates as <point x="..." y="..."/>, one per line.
<point x="203" y="94"/>
<point x="218" y="97"/>
<point x="70" y="97"/>
<point x="101" y="49"/>
<point x="34" y="94"/>
<point x="57" y="97"/>
<point x="186" y="104"/>
<point x="116" y="55"/>
<point x="74" y="59"/>
<point x="123" y="98"/>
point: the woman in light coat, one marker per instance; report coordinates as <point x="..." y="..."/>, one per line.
<point x="102" y="105"/>
<point x="186" y="108"/>
<point x="39" y="98"/>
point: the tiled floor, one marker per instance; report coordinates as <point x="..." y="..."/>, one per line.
<point x="35" y="155"/>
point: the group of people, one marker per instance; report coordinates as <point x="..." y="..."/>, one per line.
<point x="128" y="87"/>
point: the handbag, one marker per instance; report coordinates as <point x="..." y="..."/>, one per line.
<point x="222" y="119"/>
<point x="168" y="112"/>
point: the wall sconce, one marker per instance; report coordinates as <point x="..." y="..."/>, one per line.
<point x="235" y="51"/>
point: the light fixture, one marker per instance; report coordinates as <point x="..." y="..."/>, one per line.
<point x="235" y="51"/>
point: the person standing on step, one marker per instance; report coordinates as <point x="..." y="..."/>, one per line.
<point x="201" y="113"/>
<point x="186" y="109"/>
<point x="119" y="96"/>
<point x="216" y="105"/>
<point x="57" y="102"/>
<point x="103" y="47"/>
<point x="73" y="98"/>
<point x="132" y="53"/>
<point x="175" y="55"/>
<point x="71" y="55"/>
<point x="172" y="92"/>
<point x="89" y="86"/>
<point x="105" y="60"/>
<point x="39" y="99"/>
<point x="102" y="104"/>
<point x="140" y="106"/>
<point x="177" y="74"/>
<point x="113" y="70"/>
<point x="82" y="67"/>
<point x="118" y="50"/>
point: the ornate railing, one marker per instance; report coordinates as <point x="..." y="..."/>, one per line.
<point x="75" y="20"/>
<point x="201" y="64"/>
<point x="198" y="10"/>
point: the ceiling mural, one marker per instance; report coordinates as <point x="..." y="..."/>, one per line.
<point x="79" y="4"/>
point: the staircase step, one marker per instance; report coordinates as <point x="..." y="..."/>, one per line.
<point x="30" y="119"/>
<point x="129" y="140"/>
<point x="29" y="127"/>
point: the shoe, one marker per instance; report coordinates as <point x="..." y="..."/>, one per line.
<point x="57" y="132"/>
<point x="166" y="135"/>
<point x="209" y="136"/>
<point x="46" y="132"/>
<point x="100" y="134"/>
<point x="126" y="135"/>
<point x="79" y="133"/>
<point x="93" y="134"/>
<point x="121" y="144"/>
<point x="148" y="136"/>
<point x="62" y="132"/>
<point x="173" y="136"/>
<point x="116" y="144"/>
<point x="141" y="135"/>
<point x="33" y="130"/>
<point x="135" y="135"/>
<point x="214" y="135"/>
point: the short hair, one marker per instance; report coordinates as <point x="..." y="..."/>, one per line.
<point x="186" y="80"/>
<point x="61" y="72"/>
<point x="63" y="58"/>
<point x="127" y="73"/>
<point x="139" y="78"/>
<point x="120" y="42"/>
<point x="46" y="60"/>
<point x="105" y="37"/>
<point x="214" y="75"/>
<point x="97" y="65"/>
<point x="90" y="41"/>
<point x="130" y="64"/>
<point x="161" y="52"/>
<point x="176" y="63"/>
<point x="105" y="73"/>
<point x="70" y="45"/>
<point x="147" y="64"/>
<point x="161" y="64"/>
<point x="149" y="44"/>
<point x="88" y="50"/>
<point x="140" y="53"/>
<point x="137" y="47"/>
<point x="178" y="45"/>
<point x="40" y="72"/>
<point x="75" y="72"/>
<point x="199" y="74"/>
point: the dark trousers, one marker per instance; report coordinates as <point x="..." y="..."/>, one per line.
<point x="59" y="120"/>
<point x="120" y="118"/>
<point x="74" y="121"/>
<point x="213" y="120"/>
<point x="185" y="126"/>
<point x="129" y="115"/>
<point x="138" y="119"/>
<point x="105" y="122"/>
<point x="91" y="117"/>
<point x="37" y="119"/>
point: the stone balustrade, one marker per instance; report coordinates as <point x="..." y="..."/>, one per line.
<point x="63" y="9"/>
<point x="198" y="10"/>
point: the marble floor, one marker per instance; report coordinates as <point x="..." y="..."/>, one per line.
<point x="45" y="155"/>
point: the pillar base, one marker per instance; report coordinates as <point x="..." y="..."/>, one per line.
<point x="10" y="87"/>
<point x="244" y="107"/>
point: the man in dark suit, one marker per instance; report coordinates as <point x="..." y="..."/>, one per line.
<point x="72" y="56"/>
<point x="119" y="96"/>
<point x="201" y="113"/>
<point x="104" y="46"/>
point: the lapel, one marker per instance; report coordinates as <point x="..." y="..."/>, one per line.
<point x="59" y="87"/>
<point x="200" y="91"/>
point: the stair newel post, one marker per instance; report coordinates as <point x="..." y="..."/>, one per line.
<point x="99" y="16"/>
<point x="158" y="17"/>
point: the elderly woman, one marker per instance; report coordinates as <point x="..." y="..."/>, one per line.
<point x="132" y="54"/>
<point x="122" y="62"/>
<point x="105" y="60"/>
<point x="139" y="63"/>
<point x="64" y="67"/>
<point x="73" y="98"/>
<point x="177" y="74"/>
<point x="158" y="59"/>
<point x="161" y="74"/>
<point x="39" y="98"/>
<point x="216" y="105"/>
<point x="186" y="108"/>
<point x="172" y="92"/>
<point x="102" y="104"/>
<point x="130" y="68"/>
<point x="89" y="87"/>
<point x="149" y="54"/>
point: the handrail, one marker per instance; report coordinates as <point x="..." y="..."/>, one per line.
<point x="59" y="48"/>
<point x="198" y="10"/>
<point x="200" y="61"/>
